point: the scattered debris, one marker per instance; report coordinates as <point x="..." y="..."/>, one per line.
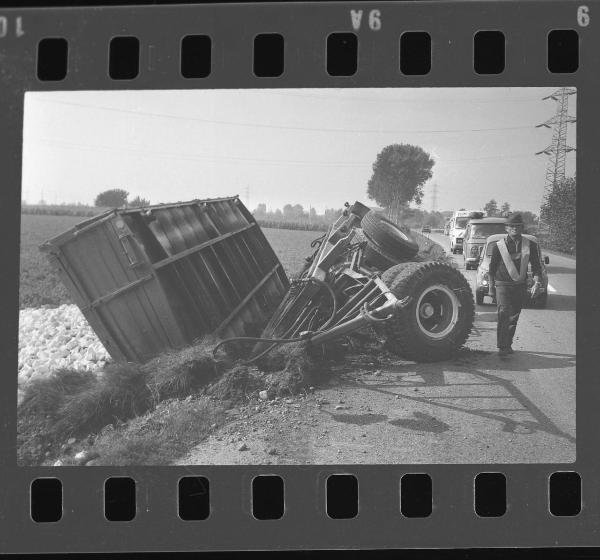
<point x="263" y="395"/>
<point x="84" y="456"/>
<point x="243" y="447"/>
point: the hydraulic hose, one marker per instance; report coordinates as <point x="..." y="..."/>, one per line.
<point x="278" y="341"/>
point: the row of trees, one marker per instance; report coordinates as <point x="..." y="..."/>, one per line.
<point x="559" y="215"/>
<point x="491" y="209"/>
<point x="296" y="214"/>
<point x="118" y="198"/>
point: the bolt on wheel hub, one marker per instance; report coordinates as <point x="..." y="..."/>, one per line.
<point x="427" y="310"/>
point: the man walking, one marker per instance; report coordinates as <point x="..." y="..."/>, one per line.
<point x="508" y="278"/>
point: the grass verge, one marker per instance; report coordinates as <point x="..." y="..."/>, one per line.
<point x="146" y="414"/>
<point x="160" y="435"/>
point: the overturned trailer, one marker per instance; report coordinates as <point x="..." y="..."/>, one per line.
<point x="161" y="277"/>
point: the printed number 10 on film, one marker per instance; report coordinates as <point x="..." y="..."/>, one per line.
<point x="8" y="27"/>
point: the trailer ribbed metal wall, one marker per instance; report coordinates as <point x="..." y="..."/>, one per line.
<point x="160" y="277"/>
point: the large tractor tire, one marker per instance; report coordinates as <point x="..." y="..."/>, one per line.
<point x="387" y="239"/>
<point x="438" y="318"/>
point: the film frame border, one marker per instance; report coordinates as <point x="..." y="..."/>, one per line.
<point x="453" y="523"/>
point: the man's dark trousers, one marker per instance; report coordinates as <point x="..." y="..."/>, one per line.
<point x="510" y="299"/>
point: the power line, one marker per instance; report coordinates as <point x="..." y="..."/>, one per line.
<point x="284" y="127"/>
<point x="383" y="100"/>
<point x="232" y="159"/>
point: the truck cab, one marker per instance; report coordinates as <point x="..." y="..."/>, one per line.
<point x="458" y="225"/>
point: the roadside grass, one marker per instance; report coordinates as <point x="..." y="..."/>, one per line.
<point x="159" y="436"/>
<point x="71" y="403"/>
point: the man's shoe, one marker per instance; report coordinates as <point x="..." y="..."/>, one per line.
<point x="510" y="350"/>
<point x="504" y="351"/>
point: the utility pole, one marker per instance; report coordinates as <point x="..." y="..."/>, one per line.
<point x="558" y="149"/>
<point x="434" y="198"/>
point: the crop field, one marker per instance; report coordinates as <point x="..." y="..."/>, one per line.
<point x="292" y="246"/>
<point x="39" y="285"/>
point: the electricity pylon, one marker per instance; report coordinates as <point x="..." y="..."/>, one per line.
<point x="557" y="151"/>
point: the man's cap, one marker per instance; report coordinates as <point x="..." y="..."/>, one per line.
<point x="514" y="220"/>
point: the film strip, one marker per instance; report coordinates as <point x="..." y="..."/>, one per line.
<point x="403" y="438"/>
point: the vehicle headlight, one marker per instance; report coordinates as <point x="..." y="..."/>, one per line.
<point x="474" y="251"/>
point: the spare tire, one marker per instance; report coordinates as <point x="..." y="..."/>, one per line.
<point x="439" y="317"/>
<point x="387" y="238"/>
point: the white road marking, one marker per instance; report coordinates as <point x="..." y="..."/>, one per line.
<point x="551" y="288"/>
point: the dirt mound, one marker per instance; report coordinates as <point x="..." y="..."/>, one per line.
<point x="179" y="373"/>
<point x="236" y="385"/>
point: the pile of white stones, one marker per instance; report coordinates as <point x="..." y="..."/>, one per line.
<point x="52" y="338"/>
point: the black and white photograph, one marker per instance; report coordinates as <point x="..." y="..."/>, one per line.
<point x="298" y="277"/>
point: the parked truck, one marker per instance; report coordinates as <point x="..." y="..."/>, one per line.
<point x="457" y="227"/>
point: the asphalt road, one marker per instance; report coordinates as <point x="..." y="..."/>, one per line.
<point x="476" y="408"/>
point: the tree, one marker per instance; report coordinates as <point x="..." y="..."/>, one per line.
<point x="558" y="212"/>
<point x="139" y="201"/>
<point x="399" y="173"/>
<point x="260" y="211"/>
<point x="114" y="198"/>
<point x="491" y="208"/>
<point x="505" y="209"/>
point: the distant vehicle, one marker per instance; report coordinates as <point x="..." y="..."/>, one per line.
<point x="447" y="228"/>
<point x="482" y="278"/>
<point x="426" y="229"/>
<point x="477" y="231"/>
<point x="458" y="224"/>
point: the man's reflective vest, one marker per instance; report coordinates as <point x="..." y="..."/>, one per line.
<point x="516" y="275"/>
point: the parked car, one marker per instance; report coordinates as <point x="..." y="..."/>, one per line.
<point x="477" y="231"/>
<point x="482" y="277"/>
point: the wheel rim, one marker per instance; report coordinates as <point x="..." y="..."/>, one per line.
<point x="437" y="311"/>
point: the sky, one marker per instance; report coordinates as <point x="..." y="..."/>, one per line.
<point x="313" y="147"/>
